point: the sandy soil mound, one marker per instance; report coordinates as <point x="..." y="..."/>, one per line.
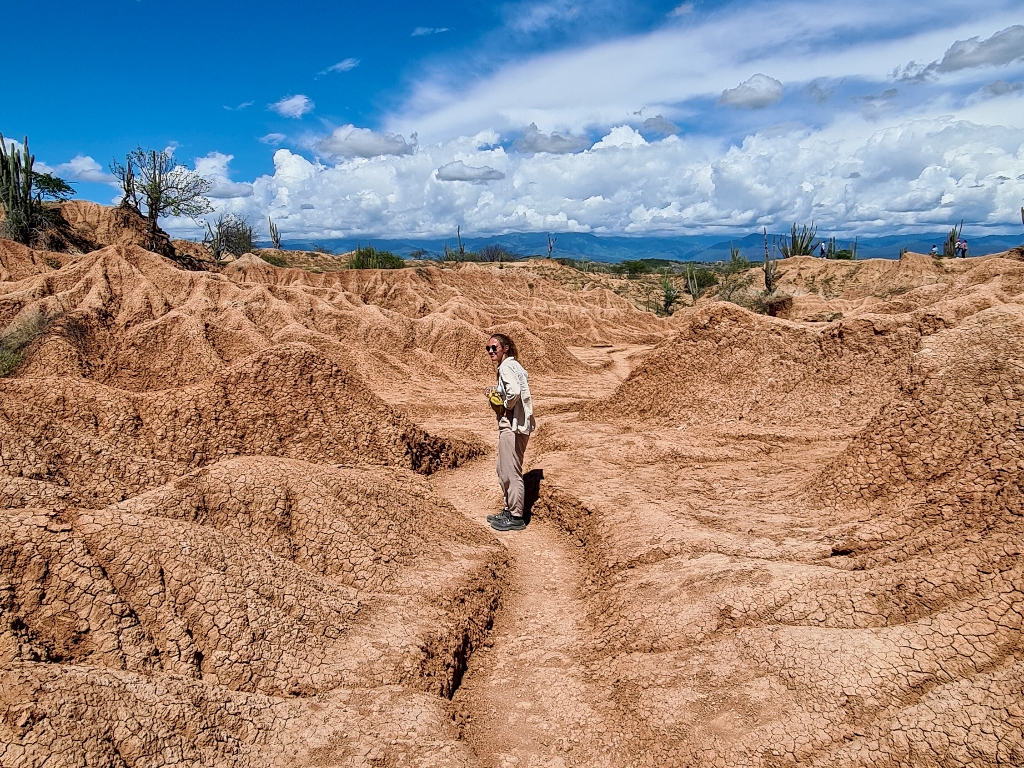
<point x="950" y="444"/>
<point x="266" y="576"/>
<point x="729" y="364"/>
<point x="287" y="401"/>
<point x="105" y="225"/>
<point x="822" y="290"/>
<point x="18" y="261"/>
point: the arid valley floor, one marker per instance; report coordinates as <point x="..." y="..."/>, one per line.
<point x="244" y="519"/>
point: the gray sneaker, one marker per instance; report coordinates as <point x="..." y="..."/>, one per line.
<point x="492" y="518"/>
<point x="506" y="521"/>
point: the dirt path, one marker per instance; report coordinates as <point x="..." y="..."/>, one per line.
<point x="526" y="699"/>
<point x="523" y="701"/>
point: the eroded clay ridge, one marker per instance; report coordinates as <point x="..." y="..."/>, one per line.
<point x="797" y="541"/>
<point x="818" y="601"/>
<point x="141" y="323"/>
<point x="218" y="546"/>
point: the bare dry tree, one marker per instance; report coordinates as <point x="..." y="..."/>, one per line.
<point x="155" y="180"/>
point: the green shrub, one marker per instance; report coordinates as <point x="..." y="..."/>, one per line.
<point x="736" y="287"/>
<point x="585" y="264"/>
<point x="229" y="234"/>
<point x="277" y="261"/>
<point x="16" y="339"/>
<point x="496" y="253"/>
<point x="705" y="277"/>
<point x="632" y="268"/>
<point x="50" y="187"/>
<point x="737" y="262"/>
<point x="368" y="257"/>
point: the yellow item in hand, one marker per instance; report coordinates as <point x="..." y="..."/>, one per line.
<point x="496" y="401"/>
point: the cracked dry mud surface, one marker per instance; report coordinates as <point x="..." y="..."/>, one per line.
<point x="243" y="520"/>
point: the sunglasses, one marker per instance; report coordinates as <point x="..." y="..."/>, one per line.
<point x="491" y="348"/>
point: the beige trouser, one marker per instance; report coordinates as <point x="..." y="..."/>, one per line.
<point x="511" y="448"/>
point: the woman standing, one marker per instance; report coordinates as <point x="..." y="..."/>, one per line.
<point x="514" y="408"/>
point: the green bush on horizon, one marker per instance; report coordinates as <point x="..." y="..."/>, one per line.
<point x="277" y="261"/>
<point x="368" y="257"/>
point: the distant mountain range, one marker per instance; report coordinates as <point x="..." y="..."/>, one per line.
<point x="703" y="248"/>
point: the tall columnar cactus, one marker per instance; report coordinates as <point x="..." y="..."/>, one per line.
<point x="275" y="236"/>
<point x="16" y="191"/>
<point x="771" y="267"/>
<point x="691" y="283"/>
<point x="949" y="247"/>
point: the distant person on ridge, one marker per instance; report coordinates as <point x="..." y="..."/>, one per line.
<point x="513" y="406"/>
<point x="821" y="249"/>
<point x="934" y="251"/>
<point x="963" y="249"/>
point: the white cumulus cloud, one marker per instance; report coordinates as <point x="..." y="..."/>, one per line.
<point x="621" y="136"/>
<point x="292" y="106"/>
<point x="84" y="168"/>
<point x="214" y="168"/>
<point x="758" y="92"/>
<point x="349" y="141"/>
<point x="853" y="176"/>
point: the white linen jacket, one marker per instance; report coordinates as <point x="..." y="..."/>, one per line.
<point x="514" y="387"/>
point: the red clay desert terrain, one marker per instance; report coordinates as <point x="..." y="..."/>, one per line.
<point x="244" y="519"/>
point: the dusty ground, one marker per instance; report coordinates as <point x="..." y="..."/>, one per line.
<point x="244" y="520"/>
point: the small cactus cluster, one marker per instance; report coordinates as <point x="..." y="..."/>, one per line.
<point x="800" y="242"/>
<point x="275" y="236"/>
<point x="671" y="295"/>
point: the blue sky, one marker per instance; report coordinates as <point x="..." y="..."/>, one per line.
<point x="643" y="118"/>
